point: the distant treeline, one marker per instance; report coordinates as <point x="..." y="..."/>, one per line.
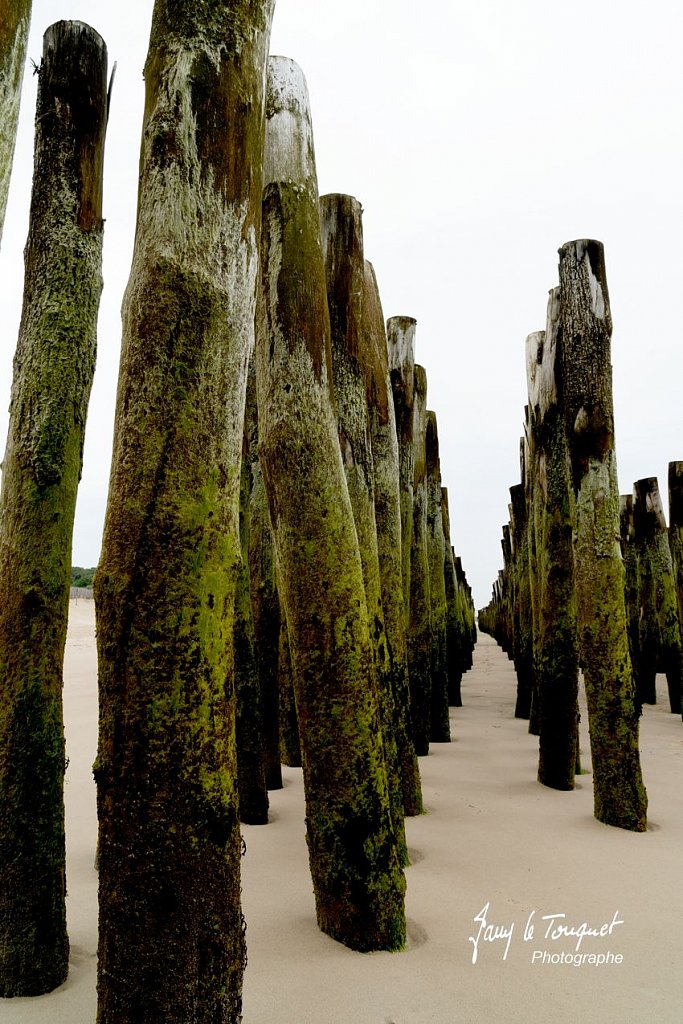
<point x="82" y="577"/>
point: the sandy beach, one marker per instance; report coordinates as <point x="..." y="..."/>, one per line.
<point x="491" y="838"/>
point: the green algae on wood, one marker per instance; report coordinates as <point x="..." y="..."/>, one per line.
<point x="374" y="364"/>
<point x="169" y="849"/>
<point x="586" y="387"/>
<point x="53" y="372"/>
<point x="354" y="858"/>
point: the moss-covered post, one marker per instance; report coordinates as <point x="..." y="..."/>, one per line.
<point x="15" y="21"/>
<point x="523" y="641"/>
<point x="659" y="632"/>
<point x="455" y="622"/>
<point x="290" y="741"/>
<point x="526" y="462"/>
<point x="488" y="616"/>
<point x="342" y="237"/>
<point x="586" y="387"/>
<point x="494" y="618"/>
<point x="53" y="371"/>
<point x="676" y="531"/>
<point x="629" y="555"/>
<point x="510" y="561"/>
<point x="508" y="593"/>
<point x="645" y="531"/>
<point x="440" y="728"/>
<point x="374" y="363"/>
<point x="265" y="602"/>
<point x="169" y="850"/>
<point x="401" y="343"/>
<point x="249" y="734"/>
<point x="354" y="856"/>
<point x="557" y="668"/>
<point x="420" y="620"/>
<point x="467" y="611"/>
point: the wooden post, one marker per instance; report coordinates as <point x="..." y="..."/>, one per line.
<point x="586" y="387"/>
<point x="357" y="880"/>
<point x="265" y="602"/>
<point x="455" y="625"/>
<point x="659" y="632"/>
<point x="629" y="555"/>
<point x="527" y="477"/>
<point x="522" y="638"/>
<point x="401" y="342"/>
<point x="249" y="736"/>
<point x="508" y="592"/>
<point x="556" y="648"/>
<point x="15" y="21"/>
<point x="676" y="531"/>
<point x="53" y="371"/>
<point x="439" y="729"/>
<point x="342" y="237"/>
<point x="374" y="364"/>
<point x="165" y="588"/>
<point x="290" y="740"/>
<point x="420" y="621"/>
<point x="466" y="605"/>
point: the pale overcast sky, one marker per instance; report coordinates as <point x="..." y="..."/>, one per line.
<point x="479" y="136"/>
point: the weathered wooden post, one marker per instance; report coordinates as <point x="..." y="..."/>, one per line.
<point x="526" y="463"/>
<point x="169" y="849"/>
<point x="420" y="620"/>
<point x="553" y="567"/>
<point x="342" y="237"/>
<point x="455" y="625"/>
<point x="659" y="632"/>
<point x="53" y="371"/>
<point x="357" y="880"/>
<point x="676" y="531"/>
<point x="290" y="740"/>
<point x="586" y="382"/>
<point x="385" y="457"/>
<point x="249" y="734"/>
<point x="440" y="728"/>
<point x="523" y="643"/>
<point x="401" y="342"/>
<point x="500" y="608"/>
<point x="265" y="602"/>
<point x="15" y="21"/>
<point x="629" y="555"/>
<point x="466" y="606"/>
<point x="508" y="592"/>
